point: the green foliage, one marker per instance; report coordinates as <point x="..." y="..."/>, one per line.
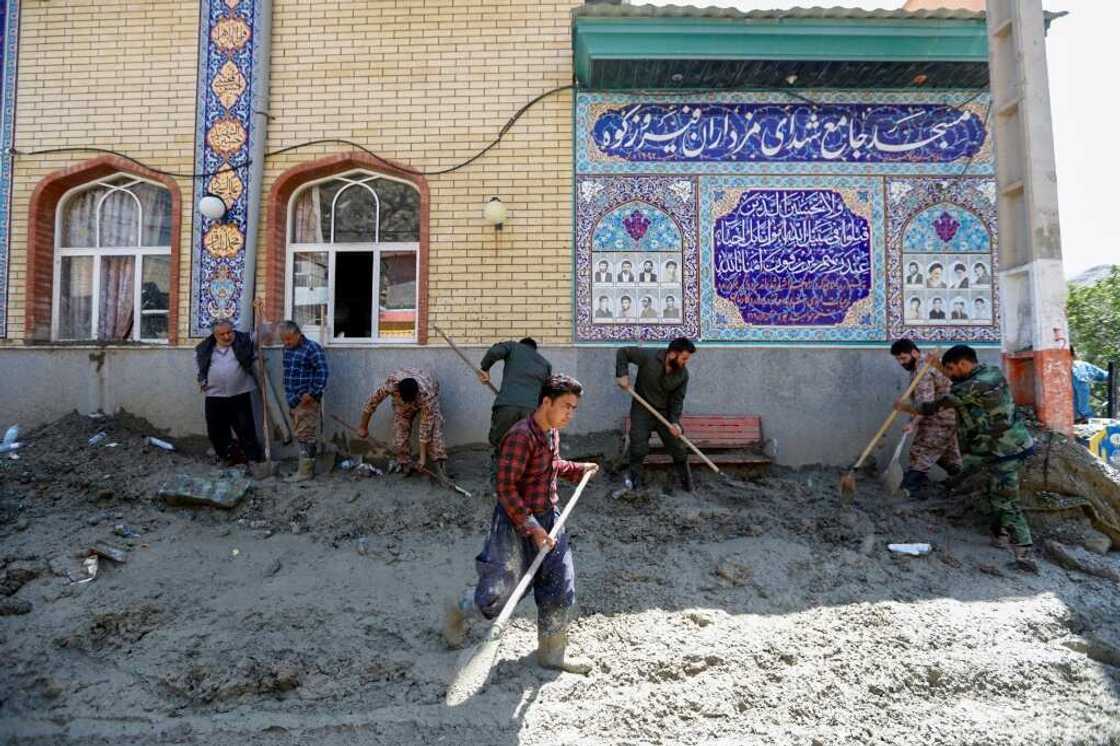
<point x="1094" y="326"/>
<point x="1094" y="320"/>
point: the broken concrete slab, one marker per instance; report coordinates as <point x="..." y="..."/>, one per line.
<point x="225" y="492"/>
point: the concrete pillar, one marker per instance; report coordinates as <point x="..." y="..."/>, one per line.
<point x="1035" y="334"/>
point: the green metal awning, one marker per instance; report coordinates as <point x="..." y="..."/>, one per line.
<point x="619" y="47"/>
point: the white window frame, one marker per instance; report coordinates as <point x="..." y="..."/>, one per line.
<point x="138" y="252"/>
<point x="356" y="179"/>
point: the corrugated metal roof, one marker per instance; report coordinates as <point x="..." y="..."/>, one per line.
<point x="610" y="10"/>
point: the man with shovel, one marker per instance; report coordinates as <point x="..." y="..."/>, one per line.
<point x="414" y="392"/>
<point x="991" y="436"/>
<point x="529" y="464"/>
<point x="935" y="437"/>
<point x="524" y="371"/>
<point x="662" y="381"/>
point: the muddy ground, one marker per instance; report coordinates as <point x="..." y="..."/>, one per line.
<point x="773" y="614"/>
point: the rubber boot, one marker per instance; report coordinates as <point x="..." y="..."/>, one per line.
<point x="552" y="652"/>
<point x="457" y="617"/>
<point x="1024" y="558"/>
<point x="913" y="483"/>
<point x="305" y="471"/>
<point x="683" y="472"/>
<point x="633" y="477"/>
<point x="439" y="468"/>
<point x="260" y="470"/>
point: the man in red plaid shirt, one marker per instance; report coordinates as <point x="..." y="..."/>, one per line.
<point x="529" y="464"/>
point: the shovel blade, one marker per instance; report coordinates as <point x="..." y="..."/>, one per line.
<point x="475" y="665"/>
<point x="892" y="477"/>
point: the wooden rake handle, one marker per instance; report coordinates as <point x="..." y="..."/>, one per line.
<point x="891" y="417"/>
<point x="462" y="356"/>
<point x="637" y="397"/>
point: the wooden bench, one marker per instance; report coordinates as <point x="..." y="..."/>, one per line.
<point x="728" y="440"/>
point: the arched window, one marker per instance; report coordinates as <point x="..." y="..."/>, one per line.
<point x="352" y="258"/>
<point x="112" y="261"/>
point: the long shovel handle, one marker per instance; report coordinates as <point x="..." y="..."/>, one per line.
<point x="637" y="397"/>
<point x="462" y="356"/>
<point x="511" y="604"/>
<point x="891" y="417"/>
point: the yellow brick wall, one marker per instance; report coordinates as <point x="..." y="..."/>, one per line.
<point x="426" y="83"/>
<point x="115" y="74"/>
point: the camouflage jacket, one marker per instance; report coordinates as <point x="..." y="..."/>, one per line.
<point x="987" y="426"/>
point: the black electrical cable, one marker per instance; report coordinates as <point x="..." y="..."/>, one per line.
<point x="416" y="172"/>
<point x="331" y="141"/>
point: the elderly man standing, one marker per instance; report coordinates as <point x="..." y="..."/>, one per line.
<point x="225" y="374"/>
<point x="305" y="380"/>
<point x="414" y="392"/>
<point x="524" y="371"/>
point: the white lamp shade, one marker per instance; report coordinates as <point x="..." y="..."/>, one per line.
<point x="212" y="207"/>
<point x="494" y="211"/>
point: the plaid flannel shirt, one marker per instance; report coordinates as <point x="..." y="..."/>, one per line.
<point x="528" y="465"/>
<point x="305" y="371"/>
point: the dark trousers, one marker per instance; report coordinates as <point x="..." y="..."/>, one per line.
<point x="507" y="556"/>
<point x="232" y="414"/>
<point x="642" y="425"/>
<point x="501" y="420"/>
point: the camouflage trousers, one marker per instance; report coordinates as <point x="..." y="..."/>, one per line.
<point x="1003" y="501"/>
<point x="935" y="443"/>
<point x="403" y="416"/>
<point x="307" y="421"/>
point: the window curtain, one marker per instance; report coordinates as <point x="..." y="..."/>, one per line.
<point x="120" y="223"/>
<point x="308" y="218"/>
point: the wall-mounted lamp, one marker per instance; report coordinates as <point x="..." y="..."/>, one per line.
<point x="494" y="213"/>
<point x="212" y="207"/>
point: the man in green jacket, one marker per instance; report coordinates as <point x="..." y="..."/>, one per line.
<point x="662" y="381"/>
<point x="991" y="436"/>
<point x="523" y="374"/>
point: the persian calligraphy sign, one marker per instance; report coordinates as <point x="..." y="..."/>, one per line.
<point x="795" y="257"/>
<point x="792" y="259"/>
<point x="789" y="132"/>
<point x="858" y="132"/>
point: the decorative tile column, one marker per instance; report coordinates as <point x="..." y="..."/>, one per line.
<point x="230" y="134"/>
<point x="9" y="54"/>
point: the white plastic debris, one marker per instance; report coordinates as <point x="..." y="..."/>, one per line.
<point x="9" y="447"/>
<point x="95" y="439"/>
<point x="12" y="435"/>
<point x="914" y="550"/>
<point x="150" y="440"/>
<point x="90" y="567"/>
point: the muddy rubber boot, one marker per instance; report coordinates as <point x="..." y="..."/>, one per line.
<point x="439" y="468"/>
<point x="305" y="471"/>
<point x="552" y="653"/>
<point x="913" y="483"/>
<point x="683" y="474"/>
<point x="260" y="470"/>
<point x="1024" y="558"/>
<point x="633" y="478"/>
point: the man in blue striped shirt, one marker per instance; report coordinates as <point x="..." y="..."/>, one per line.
<point x="305" y="379"/>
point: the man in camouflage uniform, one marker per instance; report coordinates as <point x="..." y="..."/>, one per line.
<point x="414" y="392"/>
<point x="935" y="437"/>
<point x="991" y="436"/>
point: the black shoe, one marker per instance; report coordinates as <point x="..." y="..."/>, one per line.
<point x="683" y="473"/>
<point x="914" y="482"/>
<point x="633" y="478"/>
